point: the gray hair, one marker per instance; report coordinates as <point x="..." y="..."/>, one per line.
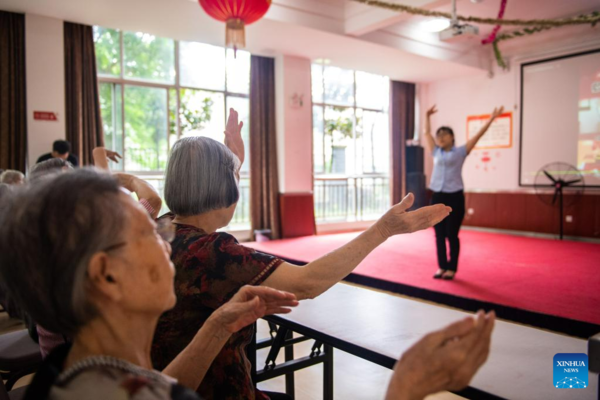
<point x="11" y="176"/>
<point x="201" y="176"/>
<point x="48" y="233"/>
<point x="49" y="167"/>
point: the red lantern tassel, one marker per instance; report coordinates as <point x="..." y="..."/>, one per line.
<point x="235" y="34"/>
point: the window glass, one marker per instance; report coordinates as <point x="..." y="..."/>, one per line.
<point x="145" y="128"/>
<point x="202" y="65"/>
<point x="148" y="57"/>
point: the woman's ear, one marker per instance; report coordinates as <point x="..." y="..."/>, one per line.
<point x="103" y="277"/>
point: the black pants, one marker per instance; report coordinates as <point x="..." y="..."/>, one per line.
<point x="448" y="228"/>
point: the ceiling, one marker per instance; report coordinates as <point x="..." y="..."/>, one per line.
<point x="346" y="33"/>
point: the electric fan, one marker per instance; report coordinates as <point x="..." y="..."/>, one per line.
<point x="561" y="177"/>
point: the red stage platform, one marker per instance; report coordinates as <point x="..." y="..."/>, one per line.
<point x="546" y="277"/>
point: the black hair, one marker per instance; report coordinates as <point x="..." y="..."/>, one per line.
<point x="61" y="147"/>
<point x="447" y="129"/>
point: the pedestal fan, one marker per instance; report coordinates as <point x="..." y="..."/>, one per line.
<point x="561" y="177"/>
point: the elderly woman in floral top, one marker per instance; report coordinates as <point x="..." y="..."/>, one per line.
<point x="91" y="264"/>
<point x="201" y="190"/>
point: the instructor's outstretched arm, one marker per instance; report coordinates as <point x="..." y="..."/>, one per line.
<point x="316" y="277"/>
<point x="428" y="137"/>
<point x="473" y="141"/>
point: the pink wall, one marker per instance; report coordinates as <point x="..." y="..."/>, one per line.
<point x="458" y="98"/>
<point x="294" y="123"/>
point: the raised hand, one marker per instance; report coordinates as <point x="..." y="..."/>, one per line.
<point x="431" y="111"/>
<point x="233" y="135"/>
<point x="251" y="303"/>
<point x="497" y="112"/>
<point x="112" y="155"/>
<point x="397" y="220"/>
<point x="443" y="360"/>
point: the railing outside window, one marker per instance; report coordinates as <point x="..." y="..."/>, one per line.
<point x="356" y="198"/>
<point x="241" y="218"/>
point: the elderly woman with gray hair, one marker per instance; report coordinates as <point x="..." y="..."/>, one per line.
<point x="201" y="191"/>
<point x="91" y="264"/>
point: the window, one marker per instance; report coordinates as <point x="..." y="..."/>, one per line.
<point x="154" y="91"/>
<point x="350" y="144"/>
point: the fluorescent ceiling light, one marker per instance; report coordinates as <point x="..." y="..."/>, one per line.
<point x="435" y="25"/>
<point x="323" y="61"/>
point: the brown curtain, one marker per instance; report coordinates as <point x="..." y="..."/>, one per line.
<point x="13" y="106"/>
<point x="84" y="122"/>
<point x="264" y="186"/>
<point x="402" y="122"/>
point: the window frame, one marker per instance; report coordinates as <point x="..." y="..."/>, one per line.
<point x="122" y="81"/>
<point x="325" y="176"/>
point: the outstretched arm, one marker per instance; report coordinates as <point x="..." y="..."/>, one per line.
<point x="428" y="137"/>
<point x="142" y="189"/>
<point x="233" y="136"/>
<point x="316" y="277"/>
<point x="102" y="155"/>
<point x="249" y="304"/>
<point x="473" y="141"/>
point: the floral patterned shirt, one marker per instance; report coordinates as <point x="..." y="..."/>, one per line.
<point x="210" y="269"/>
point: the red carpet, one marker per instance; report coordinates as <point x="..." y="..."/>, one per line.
<point x="540" y="275"/>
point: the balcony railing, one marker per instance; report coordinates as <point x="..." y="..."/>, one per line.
<point x="241" y="218"/>
<point x="356" y="198"/>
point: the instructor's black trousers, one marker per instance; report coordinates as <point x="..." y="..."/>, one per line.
<point x="448" y="228"/>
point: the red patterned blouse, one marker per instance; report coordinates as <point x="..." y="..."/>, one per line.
<point x="210" y="269"/>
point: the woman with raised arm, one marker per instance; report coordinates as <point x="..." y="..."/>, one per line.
<point x="91" y="264"/>
<point x="201" y="190"/>
<point x="146" y="194"/>
<point x="448" y="188"/>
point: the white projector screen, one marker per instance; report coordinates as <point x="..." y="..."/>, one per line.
<point x="560" y="116"/>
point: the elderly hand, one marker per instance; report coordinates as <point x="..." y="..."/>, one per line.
<point x="113" y="155"/>
<point x="251" y="303"/>
<point x="497" y="112"/>
<point x="233" y="135"/>
<point x="397" y="220"/>
<point x="443" y="360"/>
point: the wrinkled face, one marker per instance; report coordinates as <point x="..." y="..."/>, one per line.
<point x="141" y="264"/>
<point x="444" y="139"/>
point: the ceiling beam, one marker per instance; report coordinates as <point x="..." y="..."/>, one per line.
<point x="362" y="19"/>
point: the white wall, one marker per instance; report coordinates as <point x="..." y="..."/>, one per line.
<point x="475" y="95"/>
<point x="45" y="82"/>
<point x="294" y="124"/>
<point x="458" y="98"/>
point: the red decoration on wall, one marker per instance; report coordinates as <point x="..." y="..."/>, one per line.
<point x="236" y="14"/>
<point x="44" y="116"/>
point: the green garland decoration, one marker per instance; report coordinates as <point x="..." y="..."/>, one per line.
<point x="532" y="25"/>
<point x="526" y="32"/>
<point x="591" y="18"/>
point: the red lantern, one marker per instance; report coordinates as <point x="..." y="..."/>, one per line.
<point x="236" y="14"/>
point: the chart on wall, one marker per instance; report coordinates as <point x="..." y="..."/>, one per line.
<point x="498" y="136"/>
<point x="560" y="115"/>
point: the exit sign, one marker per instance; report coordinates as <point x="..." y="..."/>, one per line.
<point x="44" y="116"/>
